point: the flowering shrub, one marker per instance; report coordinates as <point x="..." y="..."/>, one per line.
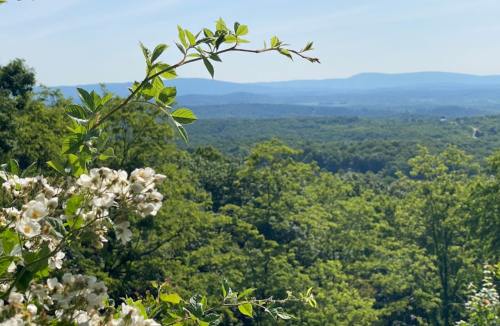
<point x="483" y="306"/>
<point x="46" y="217"/>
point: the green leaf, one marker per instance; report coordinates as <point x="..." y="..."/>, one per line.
<point x="207" y="40"/>
<point x="273" y="313"/>
<point x="101" y="142"/>
<point x="96" y="98"/>
<point x="133" y="89"/>
<point x="5" y="263"/>
<point x="308" y="47"/>
<point x="213" y="319"/>
<point x="182" y="37"/>
<point x="179" y="46"/>
<point x="59" y="231"/>
<point x="214" y="57"/>
<point x="240" y="40"/>
<point x="3" y="1"/>
<point x="226" y="290"/>
<point x="265" y="45"/>
<point x="274" y="41"/>
<point x="13" y="167"/>
<point x="108" y="153"/>
<point x="158" y="51"/>
<point x="236" y="25"/>
<point x="219" y="41"/>
<point x="202" y="323"/>
<point x="72" y="143"/>
<point x="148" y="91"/>
<point x="23" y="283"/>
<point x="77" y="113"/>
<point x="73" y="204"/>
<point x="106" y="98"/>
<point x="10" y="239"/>
<point x="182" y="132"/>
<point x="86" y="98"/>
<point x="39" y="265"/>
<point x="242" y="30"/>
<point x="76" y="168"/>
<point x="220" y="25"/>
<point x="191" y="38"/>
<point x="208" y="33"/>
<point x="286" y="53"/>
<point x="146" y="52"/>
<point x="28" y="169"/>
<point x="173" y="298"/>
<point x="57" y="166"/>
<point x="246" y="309"/>
<point x="184" y="116"/>
<point x="245" y="293"/>
<point x="167" y="95"/>
<point x="209" y="67"/>
<point x="169" y="74"/>
<point x="230" y="39"/>
<point x="282" y="314"/>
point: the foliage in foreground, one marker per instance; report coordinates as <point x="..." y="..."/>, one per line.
<point x="44" y="219"/>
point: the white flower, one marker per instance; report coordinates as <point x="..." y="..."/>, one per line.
<point x="15" y="298"/>
<point x="159" y="178"/>
<point x="26" y="182"/>
<point x="89" y="181"/>
<point x="129" y="310"/>
<point x="36" y="210"/>
<point x="53" y="284"/>
<point x="90" y="280"/>
<point x="151" y="322"/>
<point x="68" y="278"/>
<point x="55" y="262"/>
<point x="29" y="228"/>
<point x="12" y="267"/>
<point x="12" y="183"/>
<point x="143" y="175"/>
<point x="147" y="209"/>
<point x="100" y="288"/>
<point x="53" y="202"/>
<point x="137" y="188"/>
<point x="105" y="201"/>
<point x="122" y="232"/>
<point x="32" y="310"/>
<point x="12" y="213"/>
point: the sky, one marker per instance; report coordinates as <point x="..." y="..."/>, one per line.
<point x="77" y="42"/>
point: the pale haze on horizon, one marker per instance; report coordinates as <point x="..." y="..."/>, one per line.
<point x="71" y="42"/>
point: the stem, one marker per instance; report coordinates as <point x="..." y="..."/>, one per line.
<point x="183" y="62"/>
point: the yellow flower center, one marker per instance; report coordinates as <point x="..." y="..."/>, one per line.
<point x="142" y="175"/>
<point x="36" y="214"/>
<point x="27" y="229"/>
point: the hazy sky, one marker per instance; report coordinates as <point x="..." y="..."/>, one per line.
<point x="72" y="42"/>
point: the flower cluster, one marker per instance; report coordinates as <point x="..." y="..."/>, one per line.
<point x="483" y="306"/>
<point x="86" y="201"/>
<point x="43" y="216"/>
<point x="76" y="300"/>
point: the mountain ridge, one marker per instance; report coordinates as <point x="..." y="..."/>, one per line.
<point x="359" y="82"/>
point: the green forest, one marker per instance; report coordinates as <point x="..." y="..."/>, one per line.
<point x="388" y="219"/>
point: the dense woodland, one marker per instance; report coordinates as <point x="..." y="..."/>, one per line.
<point x="386" y="231"/>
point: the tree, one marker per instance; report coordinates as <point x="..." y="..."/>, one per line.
<point x="438" y="200"/>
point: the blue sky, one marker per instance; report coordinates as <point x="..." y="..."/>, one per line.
<point x="72" y="42"/>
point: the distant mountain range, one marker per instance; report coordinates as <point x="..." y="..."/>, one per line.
<point x="370" y="81"/>
<point x="360" y="82"/>
<point x="399" y="92"/>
